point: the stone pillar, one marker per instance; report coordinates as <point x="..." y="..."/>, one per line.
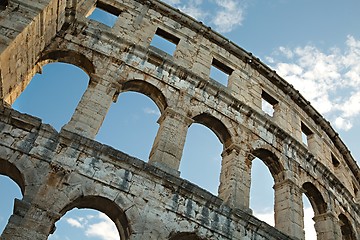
<point x="241" y="87"/>
<point x="281" y="116"/>
<point x="92" y="108"/>
<point x="289" y="211"/>
<point x="169" y="142"/>
<point x="315" y="146"/>
<point x="327" y="227"/>
<point x="28" y="222"/>
<point x="235" y="175"/>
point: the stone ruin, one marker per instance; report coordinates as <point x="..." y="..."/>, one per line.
<point x="59" y="171"/>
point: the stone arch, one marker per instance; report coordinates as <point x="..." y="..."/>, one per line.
<point x="215" y="125"/>
<point x="271" y="160"/>
<point x="185" y="236"/>
<point x="347" y="231"/>
<point x="147" y="89"/>
<point x="315" y="197"/>
<point x="281" y="188"/>
<point x="106" y="206"/>
<point x="11" y="171"/>
<point x="44" y="94"/>
<point x="64" y="56"/>
<point x="68" y="56"/>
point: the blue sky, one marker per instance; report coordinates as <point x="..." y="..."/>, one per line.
<point x="315" y="45"/>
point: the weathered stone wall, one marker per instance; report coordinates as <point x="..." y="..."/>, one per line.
<point x="60" y="171"/>
<point x="29" y="26"/>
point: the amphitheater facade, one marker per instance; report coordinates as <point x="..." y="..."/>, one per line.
<point x="59" y="171"/>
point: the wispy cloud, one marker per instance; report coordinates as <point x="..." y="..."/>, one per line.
<point x="330" y="80"/>
<point x="194" y="9"/>
<point x="98" y="226"/>
<point x="152" y="111"/>
<point x="223" y="15"/>
<point x="74" y="223"/>
<point x="228" y="16"/>
<point x="105" y="229"/>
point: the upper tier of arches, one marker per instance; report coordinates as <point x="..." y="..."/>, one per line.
<point x="120" y="58"/>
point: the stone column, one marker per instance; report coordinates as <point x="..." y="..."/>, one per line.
<point x="235" y="175"/>
<point x="289" y="211"/>
<point x="327" y="227"/>
<point x="28" y="222"/>
<point x="92" y="108"/>
<point x="169" y="142"/>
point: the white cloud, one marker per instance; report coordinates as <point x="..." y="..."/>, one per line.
<point x="105" y="229"/>
<point x="310" y="233"/>
<point x="351" y="107"/>
<point x="152" y="111"/>
<point x="342" y="123"/>
<point x="74" y="223"/>
<point x="270" y="60"/>
<point x="223" y="15"/>
<point x="192" y="8"/>
<point x="96" y="224"/>
<point x="287" y="52"/>
<point x="267" y="107"/>
<point x="229" y="16"/>
<point x="194" y="11"/>
<point x="330" y="80"/>
<point x="267" y="217"/>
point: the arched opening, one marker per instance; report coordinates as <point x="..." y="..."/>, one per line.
<point x="12" y="186"/>
<point x="147" y="89"/>
<point x="131" y="124"/>
<point x="271" y="161"/>
<point x="54" y="94"/>
<point x="316" y="199"/>
<point x="309" y="228"/>
<point x="70" y="57"/>
<point x="94" y="217"/>
<point x="266" y="171"/>
<point x="201" y="159"/>
<point x="346" y="228"/>
<point x="9" y="190"/>
<point x="262" y="192"/>
<point x="314" y="205"/>
<point x="206" y="139"/>
<point x="216" y="126"/>
<point x="85" y="224"/>
<point x="12" y="172"/>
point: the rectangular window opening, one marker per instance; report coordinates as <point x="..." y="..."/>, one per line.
<point x="220" y="72"/>
<point x="268" y="103"/>
<point x="305" y="133"/>
<point x="105" y="13"/>
<point x="165" y="41"/>
<point x="334" y="160"/>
